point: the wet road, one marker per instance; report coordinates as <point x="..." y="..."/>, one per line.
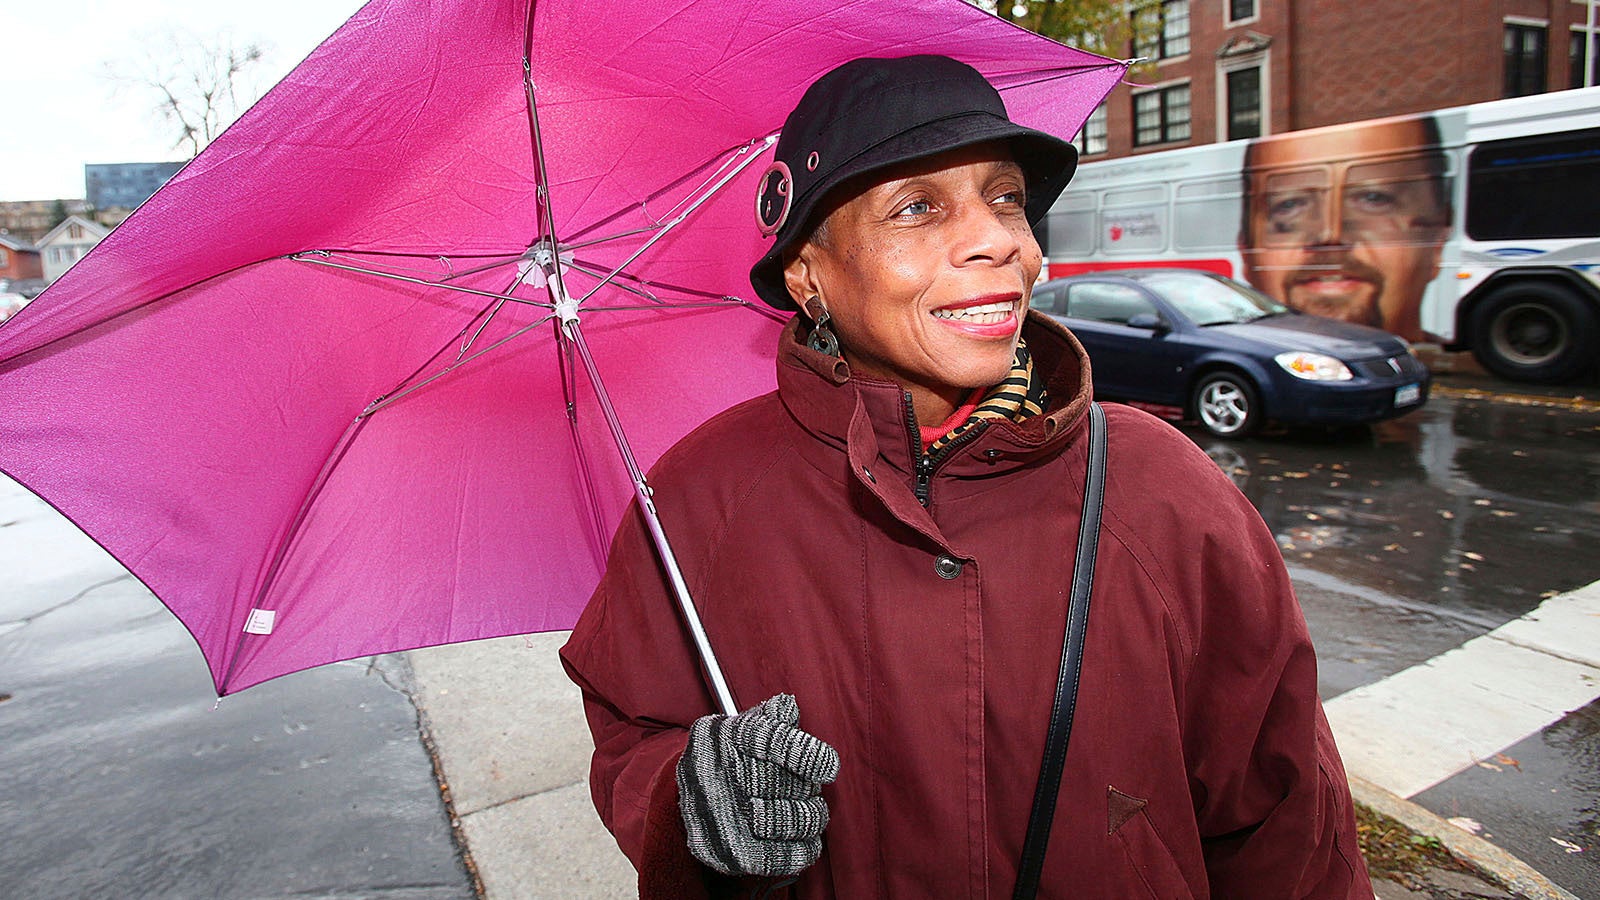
<point x="123" y="778"/>
<point x="1410" y="538"/>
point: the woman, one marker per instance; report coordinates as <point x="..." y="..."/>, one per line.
<point x="886" y="543"/>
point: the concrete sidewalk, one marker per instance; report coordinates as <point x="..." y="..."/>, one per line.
<point x="512" y="752"/>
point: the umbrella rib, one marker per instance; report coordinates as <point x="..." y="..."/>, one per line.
<point x="716" y="162"/>
<point x="390" y="399"/>
<point x="567" y="366"/>
<point x="703" y="304"/>
<point x="448" y="259"/>
<point x="476" y="269"/>
<point x="596" y="272"/>
<point x="593" y="242"/>
<point x="21" y="358"/>
<point x="733" y="155"/>
<point x="751" y="151"/>
<point x="1049" y="75"/>
<point x="336" y="456"/>
<point x="309" y="256"/>
<point x="547" y="218"/>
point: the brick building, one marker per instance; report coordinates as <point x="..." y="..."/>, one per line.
<point x="1226" y="69"/>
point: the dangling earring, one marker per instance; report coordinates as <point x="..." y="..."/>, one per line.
<point x="822" y="338"/>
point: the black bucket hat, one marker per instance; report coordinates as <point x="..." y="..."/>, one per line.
<point x="872" y="113"/>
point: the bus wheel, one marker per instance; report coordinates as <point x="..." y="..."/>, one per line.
<point x="1534" y="331"/>
<point x="1227" y="404"/>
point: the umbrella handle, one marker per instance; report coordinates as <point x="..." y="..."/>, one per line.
<point x="570" y="328"/>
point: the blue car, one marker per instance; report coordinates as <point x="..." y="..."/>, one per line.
<point x="1228" y="355"/>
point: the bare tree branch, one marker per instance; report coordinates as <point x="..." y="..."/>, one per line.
<point x="199" y="85"/>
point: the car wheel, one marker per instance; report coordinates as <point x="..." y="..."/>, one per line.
<point x="1534" y="332"/>
<point x="1227" y="405"/>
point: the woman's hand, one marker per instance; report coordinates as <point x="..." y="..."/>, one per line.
<point x="749" y="788"/>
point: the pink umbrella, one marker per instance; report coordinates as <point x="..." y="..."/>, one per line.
<point x="335" y="389"/>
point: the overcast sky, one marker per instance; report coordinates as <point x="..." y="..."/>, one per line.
<point x="61" y="110"/>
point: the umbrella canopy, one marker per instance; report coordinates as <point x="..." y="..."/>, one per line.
<point x="311" y="393"/>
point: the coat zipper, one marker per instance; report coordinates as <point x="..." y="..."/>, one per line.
<point x="926" y="463"/>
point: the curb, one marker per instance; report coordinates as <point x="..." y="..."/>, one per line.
<point x="426" y="733"/>
<point x="1478" y="854"/>
<point x="1577" y="404"/>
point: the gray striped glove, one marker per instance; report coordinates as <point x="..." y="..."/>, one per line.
<point x="749" y="788"/>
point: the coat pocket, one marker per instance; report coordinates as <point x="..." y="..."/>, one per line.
<point x="1148" y="855"/>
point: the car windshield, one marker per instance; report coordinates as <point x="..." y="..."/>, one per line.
<point x="1212" y="301"/>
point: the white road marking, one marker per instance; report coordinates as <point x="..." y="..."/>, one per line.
<point x="1420" y="726"/>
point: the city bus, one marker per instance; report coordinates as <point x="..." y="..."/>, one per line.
<point x="1475" y="228"/>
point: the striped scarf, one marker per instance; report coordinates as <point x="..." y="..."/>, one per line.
<point x="1017" y="396"/>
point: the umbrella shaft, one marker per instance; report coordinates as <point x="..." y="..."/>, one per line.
<point x="669" y="560"/>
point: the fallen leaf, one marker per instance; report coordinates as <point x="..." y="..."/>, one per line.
<point x="1505" y="760"/>
<point x="1480" y="502"/>
<point x="1502" y="513"/>
<point x="1568" y="846"/>
<point x="1446" y="514"/>
<point x="1391" y="547"/>
<point x="1489" y="765"/>
<point x="1469" y="825"/>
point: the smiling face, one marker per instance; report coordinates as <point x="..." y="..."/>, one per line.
<point x="1347" y="223"/>
<point x="926" y="272"/>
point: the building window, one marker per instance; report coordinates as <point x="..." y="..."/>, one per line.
<point x="1581" y="67"/>
<point x="1092" y="139"/>
<point x="1161" y="116"/>
<point x="1161" y="30"/>
<point x="1240" y="10"/>
<point x="1244" y="103"/>
<point x="1525" y="59"/>
<point x="5" y="258"/>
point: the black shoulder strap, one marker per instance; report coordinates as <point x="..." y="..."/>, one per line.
<point x="1055" y="743"/>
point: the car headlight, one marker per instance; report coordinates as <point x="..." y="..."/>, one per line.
<point x="1313" y="366"/>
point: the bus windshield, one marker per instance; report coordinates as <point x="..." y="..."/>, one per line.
<point x="1212" y="301"/>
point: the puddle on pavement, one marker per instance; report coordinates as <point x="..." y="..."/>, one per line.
<point x="1467" y="505"/>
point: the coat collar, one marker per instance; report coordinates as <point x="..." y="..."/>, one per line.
<point x="868" y="421"/>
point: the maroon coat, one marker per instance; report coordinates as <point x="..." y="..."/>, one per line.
<point x="1200" y="763"/>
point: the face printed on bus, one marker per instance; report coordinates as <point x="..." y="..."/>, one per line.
<point x="1347" y="222"/>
